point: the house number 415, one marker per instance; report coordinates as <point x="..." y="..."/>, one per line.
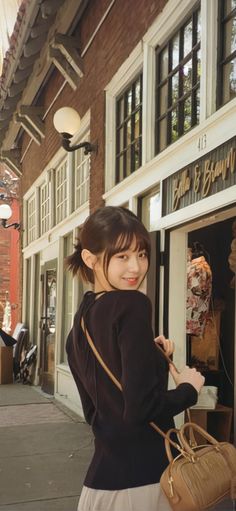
<point x="202" y="142"/>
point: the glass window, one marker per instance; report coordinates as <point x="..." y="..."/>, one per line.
<point x="44" y="208"/>
<point x="151" y="209"/>
<point x="129" y="130"/>
<point x="82" y="168"/>
<point x="61" y="192"/>
<point x="31" y="206"/>
<point x="67" y="298"/>
<point x="227" y="53"/>
<point x="178" y="67"/>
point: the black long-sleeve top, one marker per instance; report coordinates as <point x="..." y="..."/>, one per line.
<point x="128" y="452"/>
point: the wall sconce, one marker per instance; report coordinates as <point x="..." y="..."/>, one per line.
<point x="5" y="214"/>
<point x="67" y="122"/>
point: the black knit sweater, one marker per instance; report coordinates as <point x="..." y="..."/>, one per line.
<point x="128" y="452"/>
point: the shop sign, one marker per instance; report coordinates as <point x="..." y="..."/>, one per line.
<point x="214" y="172"/>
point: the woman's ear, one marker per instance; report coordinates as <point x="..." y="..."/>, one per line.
<point x="88" y="258"/>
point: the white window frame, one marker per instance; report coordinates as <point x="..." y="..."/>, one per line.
<point x="126" y="74"/>
<point x="144" y="56"/>
<point x="61" y="207"/>
<point x="84" y="167"/>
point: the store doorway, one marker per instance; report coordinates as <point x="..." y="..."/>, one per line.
<point x="48" y="326"/>
<point x="212" y="350"/>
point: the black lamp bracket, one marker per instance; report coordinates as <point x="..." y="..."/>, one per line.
<point x="88" y="147"/>
<point x="6" y="226"/>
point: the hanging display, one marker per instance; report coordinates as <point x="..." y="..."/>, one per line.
<point x="199" y="288"/>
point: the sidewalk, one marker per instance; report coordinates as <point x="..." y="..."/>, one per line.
<point x="44" y="452"/>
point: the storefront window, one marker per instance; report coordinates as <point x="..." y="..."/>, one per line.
<point x="31" y="206"/>
<point x="151" y="210"/>
<point x="178" y="66"/>
<point x="61" y="192"/>
<point x="227" y="56"/>
<point x="129" y="130"/>
<point x="82" y="167"/>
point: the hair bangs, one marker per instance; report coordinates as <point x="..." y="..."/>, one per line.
<point x="122" y="241"/>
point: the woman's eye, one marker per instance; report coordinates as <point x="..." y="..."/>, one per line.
<point x="122" y="256"/>
<point x="142" y="255"/>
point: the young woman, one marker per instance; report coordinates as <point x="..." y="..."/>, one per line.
<point x="113" y="254"/>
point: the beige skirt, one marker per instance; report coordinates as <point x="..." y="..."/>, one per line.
<point x="148" y="498"/>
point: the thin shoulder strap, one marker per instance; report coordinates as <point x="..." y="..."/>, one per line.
<point x="118" y="385"/>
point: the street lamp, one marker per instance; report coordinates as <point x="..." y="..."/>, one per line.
<point x="67" y="122"/>
<point x="5" y="214"/>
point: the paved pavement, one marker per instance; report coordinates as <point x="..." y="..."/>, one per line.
<point x="44" y="452"/>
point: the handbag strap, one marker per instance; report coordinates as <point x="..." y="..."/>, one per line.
<point x="118" y="385"/>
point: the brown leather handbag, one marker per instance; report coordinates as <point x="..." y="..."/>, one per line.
<point x="201" y="475"/>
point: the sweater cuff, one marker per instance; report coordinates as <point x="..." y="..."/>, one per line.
<point x="190" y="393"/>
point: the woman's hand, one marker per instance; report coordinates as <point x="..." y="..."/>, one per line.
<point x="167" y="344"/>
<point x="187" y="375"/>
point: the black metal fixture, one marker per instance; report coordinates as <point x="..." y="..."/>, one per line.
<point x="5" y="214"/>
<point x="67" y="122"/>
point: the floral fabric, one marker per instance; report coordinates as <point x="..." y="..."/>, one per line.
<point x="199" y="287"/>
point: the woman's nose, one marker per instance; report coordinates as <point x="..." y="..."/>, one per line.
<point x="134" y="264"/>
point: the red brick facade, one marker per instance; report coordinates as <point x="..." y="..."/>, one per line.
<point x="123" y="28"/>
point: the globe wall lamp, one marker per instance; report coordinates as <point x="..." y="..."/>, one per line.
<point x="67" y="122"/>
<point x="5" y="214"/>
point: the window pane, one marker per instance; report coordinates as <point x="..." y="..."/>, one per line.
<point x="175" y="87"/>
<point x="229" y="5"/>
<point x="188" y="38"/>
<point x="187" y="114"/>
<point x="120" y="111"/>
<point x="229" y="81"/>
<point x="137" y="155"/>
<point x="128" y="133"/>
<point x="137" y="93"/>
<point x="163" y="99"/>
<point x="198" y="65"/>
<point x="128" y="161"/>
<point x="198" y="104"/>
<point x="164" y="64"/>
<point x="129" y="102"/>
<point x="187" y="77"/>
<point x="121" y="140"/>
<point x="120" y="168"/>
<point x="199" y="26"/>
<point x="137" y="125"/>
<point x="174" y="125"/>
<point x="175" y="51"/>
<point x="230" y="37"/>
<point x="163" y="133"/>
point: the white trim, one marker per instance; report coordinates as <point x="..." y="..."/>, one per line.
<point x="209" y="18"/>
<point x="218" y="128"/>
<point x="207" y="205"/>
<point x="171" y="16"/>
<point x="148" y="116"/>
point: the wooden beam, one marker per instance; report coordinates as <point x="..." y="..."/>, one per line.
<point x="21" y="74"/>
<point x="34" y="114"/>
<point x="69" y="47"/>
<point x="64" y="67"/>
<point x="33" y="133"/>
<point x="12" y="159"/>
<point x="34" y="46"/>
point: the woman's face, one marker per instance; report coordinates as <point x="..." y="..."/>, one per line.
<point x="126" y="270"/>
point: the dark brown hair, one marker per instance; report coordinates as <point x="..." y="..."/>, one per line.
<point x="110" y="230"/>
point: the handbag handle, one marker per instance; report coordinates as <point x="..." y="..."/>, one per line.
<point x="118" y="385"/>
<point x="200" y="430"/>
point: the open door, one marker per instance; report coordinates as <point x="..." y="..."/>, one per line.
<point x="48" y="326"/>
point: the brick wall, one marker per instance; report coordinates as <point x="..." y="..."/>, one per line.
<point x="123" y="28"/>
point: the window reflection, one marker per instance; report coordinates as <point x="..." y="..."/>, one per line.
<point x="151" y="210"/>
